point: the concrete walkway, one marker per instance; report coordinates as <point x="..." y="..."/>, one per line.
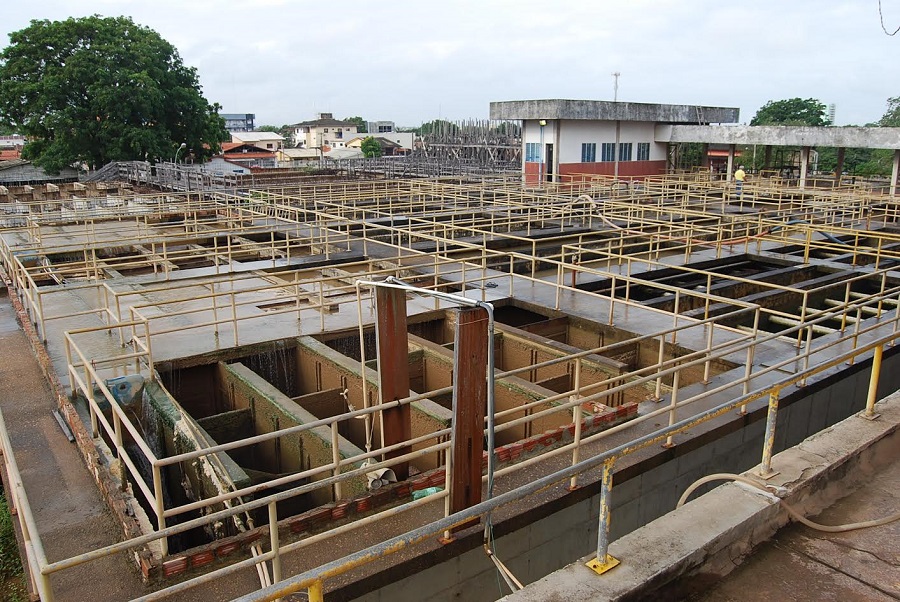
<point x="72" y="518"/>
<point x="805" y="565"/>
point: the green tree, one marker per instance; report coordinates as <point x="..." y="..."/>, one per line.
<point x="370" y="147"/>
<point x="95" y="89"/>
<point x="793" y="111"/>
<point x="438" y="126"/>
<point x="359" y="122"/>
<point x="891" y="118"/>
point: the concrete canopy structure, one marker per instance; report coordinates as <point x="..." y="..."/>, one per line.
<point x="563" y="137"/>
<point x="805" y="137"/>
<point x="783" y="135"/>
<point x="605" y="110"/>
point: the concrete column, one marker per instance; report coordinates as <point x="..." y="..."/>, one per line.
<point x="393" y="369"/>
<point x="804" y="165"/>
<point x="704" y="161"/>
<point x="729" y="171"/>
<point x="767" y="162"/>
<point x="895" y="172"/>
<point x="556" y="135"/>
<point x="469" y="407"/>
<point x="840" y="166"/>
<point x="616" y="149"/>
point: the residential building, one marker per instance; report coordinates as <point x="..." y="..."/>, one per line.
<point x="219" y="166"/>
<point x="388" y="147"/>
<point x="267" y="141"/>
<point x="248" y="155"/>
<point x="324" y="132"/>
<point x="380" y="127"/>
<point x="239" y="122"/>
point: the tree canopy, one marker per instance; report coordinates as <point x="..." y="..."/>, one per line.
<point x="97" y="89"/>
<point x="359" y="122"/>
<point x="891" y="117"/>
<point x="793" y="111"/>
<point x="437" y="126"/>
<point x="370" y="147"/>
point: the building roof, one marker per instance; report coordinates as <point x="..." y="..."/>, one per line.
<point x="9" y="164"/>
<point x="382" y="141"/>
<point x="606" y="110"/>
<point x="344" y="153"/>
<point x="301" y="153"/>
<point x="250" y="155"/>
<point x="255" y="136"/>
<point x="324" y="123"/>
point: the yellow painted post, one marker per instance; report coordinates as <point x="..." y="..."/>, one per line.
<point x="316" y="593"/>
<point x="765" y="469"/>
<point x="873" y="384"/>
<point x="603" y="562"/>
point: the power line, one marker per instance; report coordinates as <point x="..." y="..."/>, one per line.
<point x="881" y="17"/>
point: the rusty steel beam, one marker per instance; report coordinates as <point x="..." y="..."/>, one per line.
<point x="469" y="407"/>
<point x="393" y="367"/>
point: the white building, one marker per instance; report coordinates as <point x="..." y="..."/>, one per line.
<point x="568" y="137"/>
<point x="269" y="141"/>
<point x="325" y="132"/>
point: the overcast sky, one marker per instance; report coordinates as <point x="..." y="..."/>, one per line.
<point x="411" y="62"/>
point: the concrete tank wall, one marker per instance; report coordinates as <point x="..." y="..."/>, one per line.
<point x="643" y="491"/>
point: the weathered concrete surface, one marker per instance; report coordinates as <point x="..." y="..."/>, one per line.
<point x="72" y="516"/>
<point x="804" y="565"/>
<point x="611" y="111"/>
<point x="783" y="135"/>
<point x="709" y="535"/>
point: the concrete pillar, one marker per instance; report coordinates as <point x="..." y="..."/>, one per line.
<point x="616" y="149"/>
<point x="804" y="165"/>
<point x="469" y="407"/>
<point x="729" y="171"/>
<point x="704" y="160"/>
<point x="895" y="172"/>
<point x="767" y="162"/>
<point x="393" y="369"/>
<point x="839" y="170"/>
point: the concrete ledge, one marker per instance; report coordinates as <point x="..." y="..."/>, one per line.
<point x="712" y="533"/>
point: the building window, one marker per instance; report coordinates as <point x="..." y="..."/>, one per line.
<point x="325" y="130"/>
<point x="608" y="151"/>
<point x="643" y="151"/>
<point x="532" y="152"/>
<point x="625" y="151"/>
<point x="588" y="152"/>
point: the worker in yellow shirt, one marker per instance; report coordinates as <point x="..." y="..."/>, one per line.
<point x="739" y="177"/>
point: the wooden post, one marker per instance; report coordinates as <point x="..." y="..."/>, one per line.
<point x="393" y="367"/>
<point x="469" y="407"/>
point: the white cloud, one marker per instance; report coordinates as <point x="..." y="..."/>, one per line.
<point x="409" y="61"/>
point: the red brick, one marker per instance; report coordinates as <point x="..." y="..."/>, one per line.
<point x="202" y="558"/>
<point x="175" y="566"/>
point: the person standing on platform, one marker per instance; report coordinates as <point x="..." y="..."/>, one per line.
<point x="739" y="177"/>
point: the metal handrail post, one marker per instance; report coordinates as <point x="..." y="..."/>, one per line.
<point x="604" y="562"/>
<point x="765" y="469"/>
<point x="873" y="384"/>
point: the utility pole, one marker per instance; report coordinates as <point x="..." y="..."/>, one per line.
<point x="616" y="75"/>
